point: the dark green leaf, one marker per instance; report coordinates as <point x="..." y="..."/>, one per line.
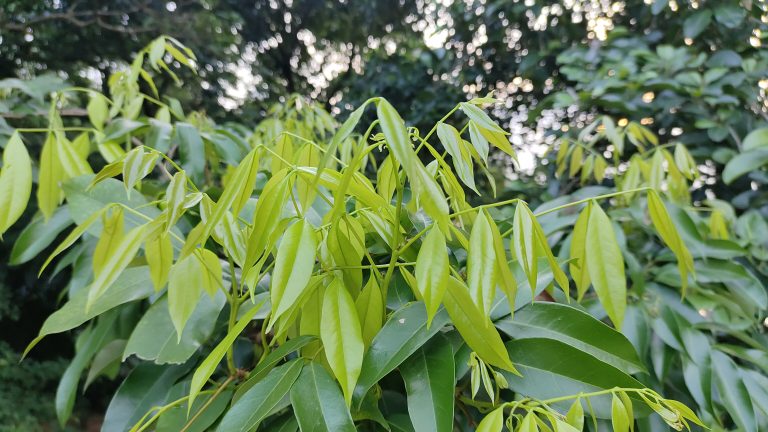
<point x="318" y="403"/>
<point x="429" y="383"/>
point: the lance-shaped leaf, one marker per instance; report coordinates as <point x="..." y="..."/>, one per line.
<point x="112" y="233"/>
<point x="174" y="195"/>
<point x="263" y="399"/>
<point x="462" y="159"/>
<point x="318" y="403"/>
<point x="579" y="262"/>
<point x="504" y="276"/>
<point x="208" y="366"/>
<point x="475" y="326"/>
<point x="404" y="332"/>
<point x="543" y="246"/>
<point x="236" y="193"/>
<point x="429" y="376"/>
<point x="118" y="260"/>
<point x="432" y="271"/>
<point x="269" y="208"/>
<point x="575" y="328"/>
<point x="481" y="264"/>
<point x="524" y="241"/>
<point x="15" y="182"/>
<point x="668" y="233"/>
<point x="493" y="421"/>
<point x="733" y="392"/>
<point x="293" y="267"/>
<point x="190" y="276"/>
<point x="341" y="336"/>
<point x="159" y="254"/>
<point x="370" y="310"/>
<point x="38" y="235"/>
<point x="72" y="162"/>
<point x="98" y="110"/>
<point x="51" y="173"/>
<point x="429" y="193"/>
<point x="606" y="265"/>
<point x="479" y="142"/>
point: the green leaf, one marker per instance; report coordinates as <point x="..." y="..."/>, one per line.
<point x="744" y="163"/>
<point x="294" y="263"/>
<point x="758" y="138"/>
<point x="50" y="174"/>
<point x="38" y="235"/>
<point x="475" y="326"/>
<point x="98" y="110"/>
<point x="492" y="422"/>
<point x="270" y="361"/>
<point x="154" y="337"/>
<point x="159" y="254"/>
<point x="481" y="264"/>
<point x="505" y="278"/>
<point x="546" y="375"/>
<point x="697" y="23"/>
<point x="112" y="232"/>
<point x="429" y="383"/>
<point x="619" y="419"/>
<point x="606" y="265"/>
<point x="524" y="241"/>
<point x="175" y="418"/>
<point x="479" y="142"/>
<point x="186" y="281"/>
<point x="575" y="415"/>
<point x="733" y="392"/>
<point x="575" y="328"/>
<point x="370" y="310"/>
<point x="118" y="260"/>
<point x="15" y="182"/>
<point x="462" y="159"/>
<point x="579" y="263"/>
<point x="668" y="233"/>
<point x="132" y="284"/>
<point x="89" y="342"/>
<point x="191" y="151"/>
<point x="145" y="387"/>
<point x="403" y="334"/>
<point x="208" y="366"/>
<point x="263" y="399"/>
<point x="318" y="403"/>
<point x="174" y="195"/>
<point x="479" y="116"/>
<point x="342" y="337"/>
<point x="432" y="271"/>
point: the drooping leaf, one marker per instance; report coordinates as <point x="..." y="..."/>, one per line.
<point x="524" y="241"/>
<point x="145" y="387"/>
<point x="606" y="265"/>
<point x="154" y="337"/>
<point x="404" y="332"/>
<point x="38" y="235"/>
<point x="432" y="271"/>
<point x="475" y="327"/>
<point x="370" y="310"/>
<point x="545" y="374"/>
<point x="733" y="392"/>
<point x="481" y="264"/>
<point x="263" y="399"/>
<point x="208" y="366"/>
<point x="159" y="254"/>
<point x="15" y="182"/>
<point x="575" y="328"/>
<point x="132" y="284"/>
<point x="318" y="403"/>
<point x="342" y="337"/>
<point x="293" y="267"/>
<point x="579" y="262"/>
<point x="429" y="384"/>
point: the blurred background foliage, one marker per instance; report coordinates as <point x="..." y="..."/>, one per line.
<point x="572" y="74"/>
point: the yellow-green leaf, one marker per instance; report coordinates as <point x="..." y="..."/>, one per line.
<point x="579" y="262"/>
<point x="606" y="265"/>
<point x="492" y="422"/>
<point x="112" y="232"/>
<point x="118" y="260"/>
<point x="211" y="271"/>
<point x="293" y="267"/>
<point x="15" y="182"/>
<point x="51" y="173"/>
<point x="619" y="419"/>
<point x="370" y="310"/>
<point x="432" y="271"/>
<point x="185" y="283"/>
<point x="668" y="233"/>
<point x="342" y="338"/>
<point x="524" y="241"/>
<point x="475" y="327"/>
<point x="98" y="110"/>
<point x="481" y="264"/>
<point x="174" y="195"/>
<point x="159" y="254"/>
